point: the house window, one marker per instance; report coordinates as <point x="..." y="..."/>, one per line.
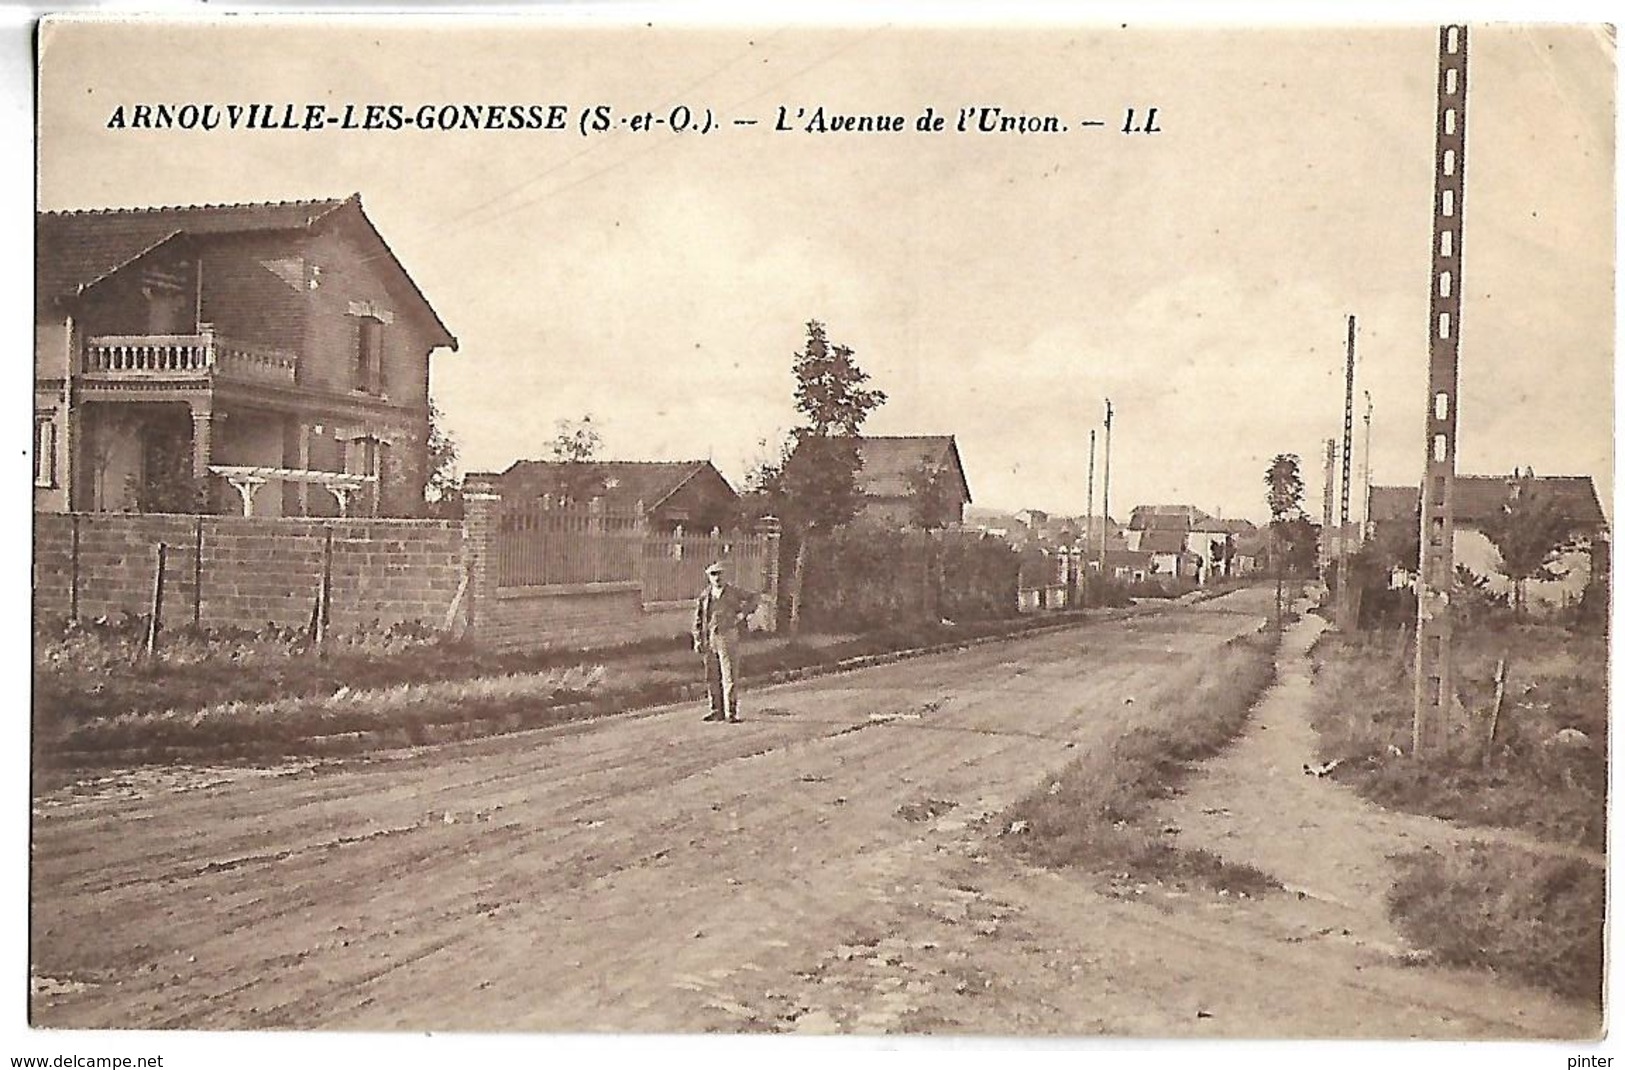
<point x="44" y="451"/>
<point x="369" y="355"/>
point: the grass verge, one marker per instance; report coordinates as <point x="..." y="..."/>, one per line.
<point x="1539" y="918"/>
<point x="341" y="705"/>
<point x="1543" y="773"/>
<point x="1091" y="815"/>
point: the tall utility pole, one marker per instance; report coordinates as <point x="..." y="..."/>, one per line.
<point x="1106" y="486"/>
<point x="1089" y="509"/>
<point x="1344" y="605"/>
<point x="1365" y="466"/>
<point x="1348" y="443"/>
<point x="1437" y="571"/>
<point x="1326" y="508"/>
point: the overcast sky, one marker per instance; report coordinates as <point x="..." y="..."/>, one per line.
<point x="997" y="287"/>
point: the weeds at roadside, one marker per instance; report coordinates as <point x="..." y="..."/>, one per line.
<point x="1091" y="815"/>
<point x="404" y="708"/>
<point x="1536" y="917"/>
<point x="1546" y="772"/>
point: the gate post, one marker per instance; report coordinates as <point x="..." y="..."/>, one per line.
<point x="768" y="528"/>
<point x="480" y="506"/>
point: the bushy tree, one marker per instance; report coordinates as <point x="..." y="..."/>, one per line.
<point x="930" y="504"/>
<point x="442" y="490"/>
<point x="1531" y="533"/>
<point x="575" y="448"/>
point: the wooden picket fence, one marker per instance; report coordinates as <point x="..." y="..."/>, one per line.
<point x="540" y="545"/>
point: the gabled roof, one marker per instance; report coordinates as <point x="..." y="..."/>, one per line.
<point x="890" y="461"/>
<point x="625" y="483"/>
<point x="1170" y="518"/>
<point x="1479" y="497"/>
<point x="74" y="251"/>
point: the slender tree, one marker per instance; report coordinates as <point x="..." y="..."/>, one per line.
<point x="816" y="485"/>
<point x="1283" y="481"/>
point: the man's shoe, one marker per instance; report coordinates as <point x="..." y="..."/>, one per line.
<point x="712" y="717"/>
<point x="734" y="719"/>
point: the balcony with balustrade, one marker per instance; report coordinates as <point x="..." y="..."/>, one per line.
<point x="157" y="358"/>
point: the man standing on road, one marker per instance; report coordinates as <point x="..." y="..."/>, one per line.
<point x="719" y="614"/>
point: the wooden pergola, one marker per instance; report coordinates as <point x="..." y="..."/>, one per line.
<point x="247" y="479"/>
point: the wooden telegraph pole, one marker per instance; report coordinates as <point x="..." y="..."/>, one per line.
<point x="1106" y="486"/>
<point x="1365" y="466"/>
<point x="1436" y="572"/>
<point x="1089" y="510"/>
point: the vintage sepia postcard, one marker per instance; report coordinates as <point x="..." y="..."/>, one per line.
<point x="572" y="523"/>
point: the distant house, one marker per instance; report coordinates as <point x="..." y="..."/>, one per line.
<point x="1207" y="540"/>
<point x="893" y="470"/>
<point x="277" y="348"/>
<point x="673" y="496"/>
<point x="1134" y="566"/>
<point x="1169" y="557"/>
<point x="1395" y="520"/>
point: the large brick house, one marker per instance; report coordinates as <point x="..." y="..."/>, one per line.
<point x="279" y="349"/>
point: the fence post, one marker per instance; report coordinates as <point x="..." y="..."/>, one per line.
<point x="481" y="503"/>
<point x="73" y="578"/>
<point x="768" y="528"/>
<point x="324" y="595"/>
<point x="153" y="625"/>
<point x="197" y="575"/>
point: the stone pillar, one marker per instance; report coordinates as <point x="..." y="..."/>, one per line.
<point x="481" y="504"/>
<point x="768" y="528"/>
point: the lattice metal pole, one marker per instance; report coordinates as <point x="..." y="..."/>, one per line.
<point x="1433" y="686"/>
<point x="1326" y="511"/>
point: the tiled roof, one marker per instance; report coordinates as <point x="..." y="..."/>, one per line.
<point x="76" y="250"/>
<point x="890" y="461"/>
<point x="625" y="483"/>
<point x="1158" y="541"/>
<point x="1478" y="497"/>
<point x="1169" y="518"/>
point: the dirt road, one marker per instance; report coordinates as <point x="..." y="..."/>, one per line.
<point x="819" y="868"/>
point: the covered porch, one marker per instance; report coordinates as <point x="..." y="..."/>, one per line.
<point x="205" y="455"/>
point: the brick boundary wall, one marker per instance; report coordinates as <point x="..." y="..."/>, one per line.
<point x="246" y="573"/>
<point x="242" y="572"/>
